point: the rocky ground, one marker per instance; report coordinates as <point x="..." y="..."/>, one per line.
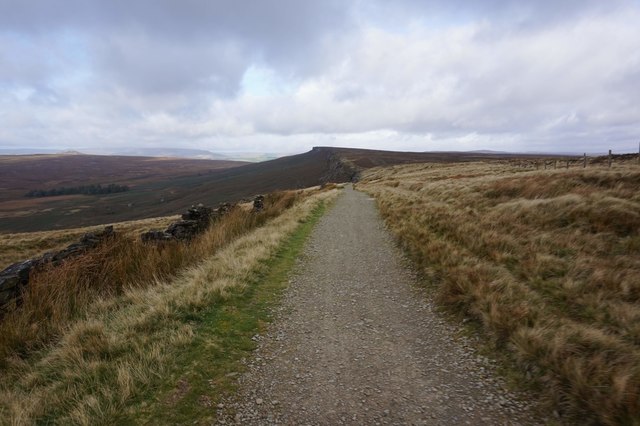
<point x="356" y="342"/>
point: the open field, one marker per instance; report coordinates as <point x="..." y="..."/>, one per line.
<point x="546" y="262"/>
<point x="102" y="332"/>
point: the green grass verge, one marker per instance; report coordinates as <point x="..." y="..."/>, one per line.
<point x="206" y="370"/>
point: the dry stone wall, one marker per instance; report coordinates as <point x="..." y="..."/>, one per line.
<point x="194" y="221"/>
<point x="14" y="278"/>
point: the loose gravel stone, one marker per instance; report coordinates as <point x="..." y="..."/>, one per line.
<point x="356" y="342"/>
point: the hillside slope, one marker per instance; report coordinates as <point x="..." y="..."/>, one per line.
<point x="368" y="158"/>
<point x="159" y="187"/>
<point x="21" y="173"/>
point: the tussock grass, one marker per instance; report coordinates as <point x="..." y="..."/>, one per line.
<point x="224" y="336"/>
<point x="23" y="246"/>
<point x="106" y="340"/>
<point x="547" y="262"/>
<point x="59" y="294"/>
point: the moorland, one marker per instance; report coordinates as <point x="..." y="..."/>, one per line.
<point x="546" y="263"/>
<point x="537" y="256"/>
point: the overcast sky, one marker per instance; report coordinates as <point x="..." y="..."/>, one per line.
<point x="283" y="76"/>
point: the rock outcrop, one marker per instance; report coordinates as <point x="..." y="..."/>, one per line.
<point x="258" y="203"/>
<point x="14" y="278"/>
<point x="338" y="168"/>
<point x="194" y="221"/>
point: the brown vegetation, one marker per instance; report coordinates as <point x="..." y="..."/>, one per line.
<point x="150" y="180"/>
<point x="22" y="173"/>
<point x="21" y="246"/>
<point x="368" y="158"/>
<point x="59" y="294"/>
<point x="158" y="186"/>
<point x="547" y="262"/>
<point x="93" y="335"/>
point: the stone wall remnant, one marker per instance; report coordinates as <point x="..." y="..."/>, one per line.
<point x="15" y="278"/>
<point x="194" y="221"/>
<point x="258" y="203"/>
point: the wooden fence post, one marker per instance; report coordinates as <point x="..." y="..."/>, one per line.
<point x="567" y="164"/>
<point x="584" y="161"/>
<point x="609" y="158"/>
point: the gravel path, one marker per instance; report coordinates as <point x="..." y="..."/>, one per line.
<point x="355" y="342"/>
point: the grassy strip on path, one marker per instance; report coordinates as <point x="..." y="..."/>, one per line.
<point x="206" y="370"/>
<point x="163" y="350"/>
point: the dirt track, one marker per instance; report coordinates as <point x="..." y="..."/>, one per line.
<point x="356" y="342"/>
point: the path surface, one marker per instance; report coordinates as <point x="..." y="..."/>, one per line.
<point x="356" y="342"/>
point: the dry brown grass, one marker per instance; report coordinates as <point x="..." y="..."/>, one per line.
<point x="548" y="262"/>
<point x="57" y="295"/>
<point x="81" y="356"/>
<point x="23" y="246"/>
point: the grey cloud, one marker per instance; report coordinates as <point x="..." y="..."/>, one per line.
<point x="459" y="83"/>
<point x="21" y="61"/>
<point x="157" y="47"/>
<point x="162" y="66"/>
<point x="274" y="28"/>
<point x="157" y="72"/>
<point x="508" y="12"/>
<point x="29" y="68"/>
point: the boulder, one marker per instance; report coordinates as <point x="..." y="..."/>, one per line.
<point x="198" y="213"/>
<point x="186" y="229"/>
<point x="258" y="203"/>
<point x="13" y="279"/>
<point x="156" y="235"/>
<point x="224" y="208"/>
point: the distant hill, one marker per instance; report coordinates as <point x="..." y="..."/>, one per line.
<point x="197" y="154"/>
<point x="252" y="157"/>
<point x="172" y="152"/>
<point x="27" y="151"/>
<point x="488" y="151"/>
